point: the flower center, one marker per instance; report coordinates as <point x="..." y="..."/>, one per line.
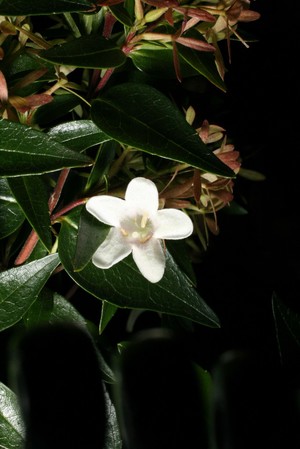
<point x="138" y="228"/>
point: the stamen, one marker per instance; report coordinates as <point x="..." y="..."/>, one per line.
<point x="145" y="239"/>
<point x="144" y="220"/>
<point x="125" y="233"/>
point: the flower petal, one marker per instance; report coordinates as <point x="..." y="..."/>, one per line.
<point x="114" y="249"/>
<point x="142" y="196"/>
<point x="172" y="224"/>
<point x="150" y="259"/>
<point x="108" y="209"/>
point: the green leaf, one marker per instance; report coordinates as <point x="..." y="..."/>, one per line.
<point x="12" y="432"/>
<point x="142" y="117"/>
<point x="124" y="286"/>
<point x="50" y="307"/>
<point x="63" y="310"/>
<point x="31" y="195"/>
<point x="26" y="151"/>
<point x="37" y="7"/>
<point x="85" y="246"/>
<point x="112" y="438"/>
<point x="78" y="135"/>
<point x="180" y="253"/>
<point x="203" y="63"/>
<point x="103" y="160"/>
<point x="121" y="14"/>
<point x="92" y="52"/>
<point x="107" y="313"/>
<point x="20" y="286"/>
<point x="11" y="215"/>
<point x="41" y="309"/>
<point x="157" y="60"/>
<point x="60" y="106"/>
<point x="22" y="62"/>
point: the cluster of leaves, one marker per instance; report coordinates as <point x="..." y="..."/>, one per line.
<point x="86" y="106"/>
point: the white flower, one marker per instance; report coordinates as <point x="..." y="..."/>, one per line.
<point x="138" y="227"/>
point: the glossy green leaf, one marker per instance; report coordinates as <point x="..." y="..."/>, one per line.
<point x="85" y="246"/>
<point x="112" y="438"/>
<point x="157" y="60"/>
<point x="37" y="7"/>
<point x="141" y="116"/>
<point x="11" y="215"/>
<point x="92" y="51"/>
<point x="103" y="160"/>
<point x="124" y="286"/>
<point x="31" y="195"/>
<point x="121" y="14"/>
<point x="22" y="62"/>
<point x="20" y="286"/>
<point x="12" y="431"/>
<point x="181" y="255"/>
<point x="203" y="62"/>
<point x="50" y="307"/>
<point x="25" y="151"/>
<point x="78" y="135"/>
<point x="63" y="310"/>
<point x="41" y="309"/>
<point x="59" y="107"/>
<point x="38" y="252"/>
<point x="108" y="311"/>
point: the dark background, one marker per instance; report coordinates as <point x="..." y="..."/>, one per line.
<point x="256" y="255"/>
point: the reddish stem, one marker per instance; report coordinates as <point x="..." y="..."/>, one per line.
<point x="54" y="198"/>
<point x="33" y="238"/>
<point x="67" y="208"/>
<point x="27" y="249"/>
<point x="109" y="22"/>
<point x="104" y="79"/>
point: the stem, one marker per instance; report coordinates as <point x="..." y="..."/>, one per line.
<point x="104" y="79"/>
<point x="27" y="249"/>
<point x="54" y="198"/>
<point x="33" y="238"/>
<point x="109" y="22"/>
<point x="67" y="208"/>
